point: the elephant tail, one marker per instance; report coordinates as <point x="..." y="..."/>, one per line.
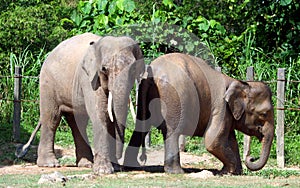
<point x="22" y="150"/>
<point x="141" y="126"/>
<point x="142" y="110"/>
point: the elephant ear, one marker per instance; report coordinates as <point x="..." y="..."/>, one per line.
<point x="234" y="96"/>
<point x="89" y="66"/>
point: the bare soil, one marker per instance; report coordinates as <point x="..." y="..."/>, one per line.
<point x="198" y="167"/>
<point x="155" y="159"/>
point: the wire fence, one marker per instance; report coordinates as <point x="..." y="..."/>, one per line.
<point x="37" y="100"/>
<point x="281" y="106"/>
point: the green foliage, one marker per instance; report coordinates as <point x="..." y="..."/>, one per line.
<point x="32" y="25"/>
<point x="101" y="17"/>
<point x="31" y="64"/>
<point x="236" y="34"/>
<point x="195" y="145"/>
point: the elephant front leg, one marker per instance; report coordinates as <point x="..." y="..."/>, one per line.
<point x="102" y="161"/>
<point x="235" y="149"/>
<point x="226" y="150"/>
<point x="97" y="109"/>
<point x="172" y="158"/>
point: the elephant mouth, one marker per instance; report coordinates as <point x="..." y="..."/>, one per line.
<point x="259" y="130"/>
<point x="260" y="137"/>
<point x="256" y="130"/>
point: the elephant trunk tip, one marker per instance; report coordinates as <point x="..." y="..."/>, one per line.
<point x="250" y="163"/>
<point x="254" y="164"/>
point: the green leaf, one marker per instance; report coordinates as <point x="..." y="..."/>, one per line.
<point x="102" y="4"/>
<point x="76" y="18"/>
<point x="102" y="19"/>
<point x="189" y="47"/>
<point x="200" y="19"/>
<point x="168" y="3"/>
<point x="120" y="5"/>
<point x="86" y="9"/>
<point x="285" y="2"/>
<point x="112" y="8"/>
<point x="129" y="5"/>
<point x="119" y="21"/>
<point x="212" y="23"/>
<point x="203" y="26"/>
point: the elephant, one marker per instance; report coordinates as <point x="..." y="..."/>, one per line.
<point x="88" y="77"/>
<point x="182" y="94"/>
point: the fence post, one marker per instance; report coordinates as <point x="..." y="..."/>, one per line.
<point x="280" y="117"/>
<point x="247" y="139"/>
<point x="17" y="103"/>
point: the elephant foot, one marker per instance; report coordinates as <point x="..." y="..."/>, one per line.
<point x="102" y="166"/>
<point x="131" y="164"/>
<point x="130" y="159"/>
<point x="117" y="167"/>
<point x="47" y="162"/>
<point x="173" y="170"/>
<point x="230" y="171"/>
<point x="172" y="165"/>
<point x="85" y="163"/>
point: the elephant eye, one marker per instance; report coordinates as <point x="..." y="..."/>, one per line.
<point x="263" y="115"/>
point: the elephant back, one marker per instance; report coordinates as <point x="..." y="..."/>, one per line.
<point x="184" y="87"/>
<point x="59" y="68"/>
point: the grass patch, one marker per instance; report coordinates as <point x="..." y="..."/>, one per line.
<point x="273" y="173"/>
<point x="142" y="179"/>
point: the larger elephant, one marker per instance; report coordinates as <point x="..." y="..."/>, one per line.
<point x="181" y="94"/>
<point x="88" y="77"/>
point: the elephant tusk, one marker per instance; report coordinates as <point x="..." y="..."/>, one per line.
<point x="109" y="107"/>
<point x="132" y="109"/>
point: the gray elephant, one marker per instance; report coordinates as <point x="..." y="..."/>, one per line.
<point x="181" y="94"/>
<point x="88" y="77"/>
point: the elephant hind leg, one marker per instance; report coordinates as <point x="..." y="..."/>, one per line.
<point x="46" y="156"/>
<point x="78" y="124"/>
<point x="172" y="155"/>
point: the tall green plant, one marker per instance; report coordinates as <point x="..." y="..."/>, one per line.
<point x="31" y="25"/>
<point x="102" y="17"/>
<point x="31" y="65"/>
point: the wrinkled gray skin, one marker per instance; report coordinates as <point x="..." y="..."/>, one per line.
<point x="75" y="81"/>
<point x="181" y="94"/>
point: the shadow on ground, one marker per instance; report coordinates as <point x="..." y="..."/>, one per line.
<point x="160" y="169"/>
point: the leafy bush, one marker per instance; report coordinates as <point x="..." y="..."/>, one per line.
<point x="236" y="33"/>
<point x="100" y="17"/>
<point x="30" y="25"/>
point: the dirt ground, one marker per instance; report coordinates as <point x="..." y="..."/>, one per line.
<point x="204" y="166"/>
<point x="155" y="158"/>
<point x="197" y="168"/>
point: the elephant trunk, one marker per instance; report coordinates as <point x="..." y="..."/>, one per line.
<point x="120" y="108"/>
<point x="122" y="86"/>
<point x="268" y="135"/>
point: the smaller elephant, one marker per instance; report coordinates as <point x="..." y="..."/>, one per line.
<point x="181" y="94"/>
<point x="88" y="77"/>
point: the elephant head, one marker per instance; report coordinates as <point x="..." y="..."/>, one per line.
<point x="114" y="63"/>
<point x="251" y="106"/>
